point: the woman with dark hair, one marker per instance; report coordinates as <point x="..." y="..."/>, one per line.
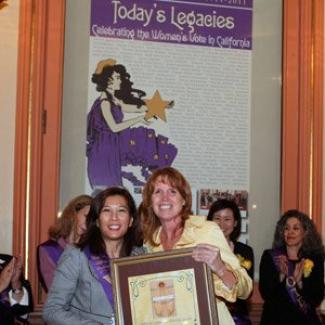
<point x="167" y="224"/>
<point x="67" y="230"/>
<point x="227" y="215"/>
<point x="292" y="272"/>
<point x="81" y="292"/>
<point x="114" y="142"/>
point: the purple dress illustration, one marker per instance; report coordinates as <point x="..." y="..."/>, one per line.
<point x="114" y="142"/>
<point x="109" y="151"/>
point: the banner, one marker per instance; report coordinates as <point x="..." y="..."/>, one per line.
<point x="190" y="64"/>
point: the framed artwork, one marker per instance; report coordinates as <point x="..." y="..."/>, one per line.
<point x="163" y="288"/>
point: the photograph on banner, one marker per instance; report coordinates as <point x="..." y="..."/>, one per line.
<point x="169" y="85"/>
<point x="207" y="196"/>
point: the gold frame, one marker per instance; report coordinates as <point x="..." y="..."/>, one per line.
<point x="163" y="262"/>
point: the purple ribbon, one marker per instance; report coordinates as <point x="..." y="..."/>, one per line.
<point x="294" y="295"/>
<point x="241" y="319"/>
<point x="101" y="266"/>
<point x="4" y="297"/>
<point x="54" y="251"/>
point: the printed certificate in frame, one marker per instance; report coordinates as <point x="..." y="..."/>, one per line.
<point x="163" y="288"/>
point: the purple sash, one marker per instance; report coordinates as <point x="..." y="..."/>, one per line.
<point x="4" y="297"/>
<point x="241" y="319"/>
<point x="54" y="250"/>
<point x="294" y="295"/>
<point x="101" y="266"/>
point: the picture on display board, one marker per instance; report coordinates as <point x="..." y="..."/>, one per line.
<point x="178" y="93"/>
<point x="114" y="141"/>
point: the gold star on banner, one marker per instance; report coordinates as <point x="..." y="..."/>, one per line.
<point x="156" y="107"/>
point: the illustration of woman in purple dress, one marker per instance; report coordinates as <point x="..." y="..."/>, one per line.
<point x="113" y="142"/>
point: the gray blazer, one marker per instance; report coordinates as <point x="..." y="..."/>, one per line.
<point x="76" y="295"/>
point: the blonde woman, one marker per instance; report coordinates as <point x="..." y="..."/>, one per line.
<point x="66" y="230"/>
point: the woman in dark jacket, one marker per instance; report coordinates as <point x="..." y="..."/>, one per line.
<point x="227" y="215"/>
<point x="292" y="273"/>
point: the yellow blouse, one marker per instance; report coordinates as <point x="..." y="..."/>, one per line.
<point x="198" y="230"/>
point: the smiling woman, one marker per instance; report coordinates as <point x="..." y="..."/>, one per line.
<point x="42" y="209"/>
<point x="81" y="292"/>
<point x="227" y="215"/>
<point x="292" y="273"/>
<point x="113" y="222"/>
<point x="167" y="224"/>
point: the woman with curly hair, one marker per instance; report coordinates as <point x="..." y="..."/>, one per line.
<point x="227" y="215"/>
<point x="292" y="272"/>
<point x="66" y="230"/>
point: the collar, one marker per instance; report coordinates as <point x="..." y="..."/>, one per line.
<point x="188" y="237"/>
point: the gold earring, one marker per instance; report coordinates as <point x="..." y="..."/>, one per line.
<point x="131" y="222"/>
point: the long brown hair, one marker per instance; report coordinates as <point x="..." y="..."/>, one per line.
<point x="67" y="222"/>
<point x="149" y="221"/>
